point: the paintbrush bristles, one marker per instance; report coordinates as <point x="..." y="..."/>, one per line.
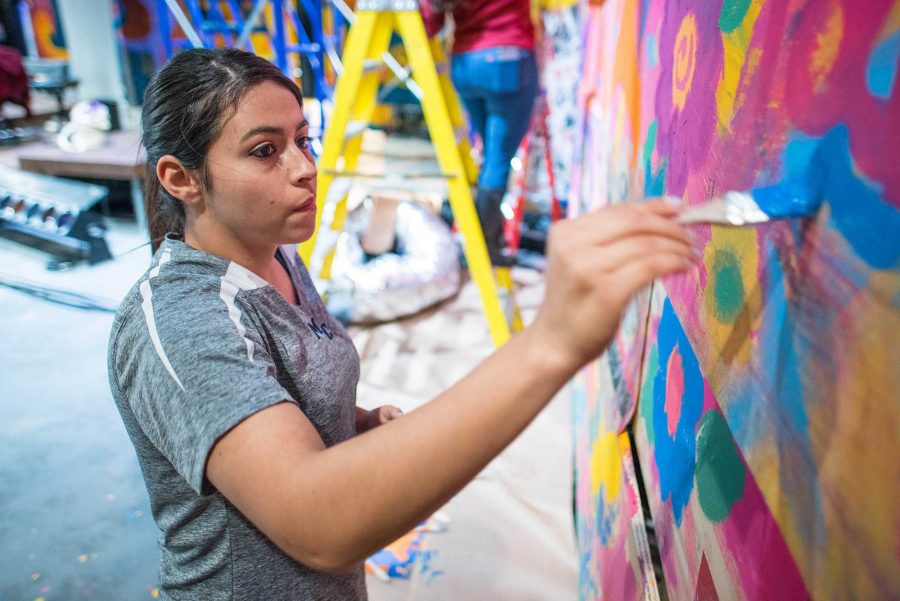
<point x="732" y="208"/>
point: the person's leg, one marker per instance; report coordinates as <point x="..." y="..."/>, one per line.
<point x="508" y="118"/>
<point x="467" y="73"/>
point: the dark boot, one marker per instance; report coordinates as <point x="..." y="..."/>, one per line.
<point x="487" y="203"/>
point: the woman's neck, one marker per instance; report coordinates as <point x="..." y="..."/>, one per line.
<point x="260" y="259"/>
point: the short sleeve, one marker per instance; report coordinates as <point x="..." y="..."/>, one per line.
<point x="191" y="370"/>
<point x="432" y="19"/>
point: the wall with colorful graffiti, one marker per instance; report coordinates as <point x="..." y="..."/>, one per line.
<point x="142" y="44"/>
<point x="39" y="21"/>
<point x="761" y="386"/>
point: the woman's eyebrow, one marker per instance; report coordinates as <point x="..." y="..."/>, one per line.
<point x="270" y="129"/>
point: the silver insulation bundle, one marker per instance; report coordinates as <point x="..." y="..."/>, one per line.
<point x="423" y="271"/>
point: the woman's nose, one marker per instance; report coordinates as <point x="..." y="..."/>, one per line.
<point x="301" y="163"/>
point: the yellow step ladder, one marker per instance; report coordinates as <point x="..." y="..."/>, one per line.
<point x="365" y="55"/>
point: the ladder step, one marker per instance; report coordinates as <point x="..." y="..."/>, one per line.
<point x="394" y="176"/>
<point x="355" y="128"/>
<point x="371" y="65"/>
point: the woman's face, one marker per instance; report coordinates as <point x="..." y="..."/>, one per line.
<point x="262" y="171"/>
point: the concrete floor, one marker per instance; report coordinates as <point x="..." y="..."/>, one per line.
<point x="74" y="514"/>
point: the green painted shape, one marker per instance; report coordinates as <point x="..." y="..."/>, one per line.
<point x="649" y="144"/>
<point x="728" y="287"/>
<point x="732" y="15"/>
<point x="646" y="402"/>
<point x="720" y="471"/>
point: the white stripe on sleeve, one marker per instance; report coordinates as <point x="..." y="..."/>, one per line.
<point x="147" y="306"/>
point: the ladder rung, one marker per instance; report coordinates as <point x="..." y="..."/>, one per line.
<point x="362" y="174"/>
<point x="372" y="64"/>
<point x="355" y="128"/>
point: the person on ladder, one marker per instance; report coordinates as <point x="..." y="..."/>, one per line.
<point x="495" y="73"/>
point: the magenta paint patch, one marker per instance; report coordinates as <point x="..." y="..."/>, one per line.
<point x="795" y="393"/>
<point x="705" y="588"/>
<point x="755" y="543"/>
<point x="690" y="52"/>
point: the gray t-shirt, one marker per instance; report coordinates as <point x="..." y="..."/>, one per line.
<point x="198" y="345"/>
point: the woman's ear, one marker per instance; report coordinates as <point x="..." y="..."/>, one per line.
<point x="179" y="181"/>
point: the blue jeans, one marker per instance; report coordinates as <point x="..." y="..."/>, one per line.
<point x="498" y="87"/>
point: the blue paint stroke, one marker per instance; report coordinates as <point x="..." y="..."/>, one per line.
<point x="789" y="199"/>
<point x="779" y="365"/>
<point x="652" y="50"/>
<point x="782" y="349"/>
<point x="743" y="417"/>
<point x="858" y="210"/>
<point x="675" y="457"/>
<point x="881" y="72"/>
<point x="605" y="516"/>
<point x="777" y="355"/>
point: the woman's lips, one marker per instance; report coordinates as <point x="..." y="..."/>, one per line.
<point x="309" y="205"/>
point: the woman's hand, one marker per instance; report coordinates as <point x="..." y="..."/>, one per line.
<point x="595" y="264"/>
<point x="366" y="420"/>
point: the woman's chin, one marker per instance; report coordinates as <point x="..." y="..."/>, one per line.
<point x="297" y="235"/>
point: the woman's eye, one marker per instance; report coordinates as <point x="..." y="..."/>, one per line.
<point x="303" y="142"/>
<point x="264" y="151"/>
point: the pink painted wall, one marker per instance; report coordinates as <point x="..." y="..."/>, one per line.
<point x="762" y="385"/>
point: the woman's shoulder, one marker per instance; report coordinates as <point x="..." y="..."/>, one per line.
<point x="183" y="288"/>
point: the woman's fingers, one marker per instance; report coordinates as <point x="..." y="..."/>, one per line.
<point x="388" y="413"/>
<point x="622" y="251"/>
<point x="664" y="208"/>
<point x="634" y="276"/>
<point x="618" y="221"/>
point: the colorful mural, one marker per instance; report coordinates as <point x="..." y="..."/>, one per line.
<point x="560" y="50"/>
<point x="142" y="44"/>
<point x="610" y="523"/>
<point x="42" y="29"/>
<point x="765" y="379"/>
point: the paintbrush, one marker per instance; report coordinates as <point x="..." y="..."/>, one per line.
<point x="782" y="201"/>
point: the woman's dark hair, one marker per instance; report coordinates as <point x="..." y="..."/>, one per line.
<point x="185" y="106"/>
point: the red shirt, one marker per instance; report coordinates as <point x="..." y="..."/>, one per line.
<point x="485" y="24"/>
<point x="13" y="79"/>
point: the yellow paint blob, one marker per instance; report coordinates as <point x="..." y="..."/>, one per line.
<point x="732" y="295"/>
<point x="828" y="43"/>
<point x="606" y="466"/>
<point x="556" y="4"/>
<point x="734" y="46"/>
<point x="44" y="29"/>
<point x="685" y="60"/>
<point x="891" y="23"/>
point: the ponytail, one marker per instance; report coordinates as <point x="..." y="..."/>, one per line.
<point x="165" y="214"/>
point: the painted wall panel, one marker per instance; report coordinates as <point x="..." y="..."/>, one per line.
<point x="775" y="357"/>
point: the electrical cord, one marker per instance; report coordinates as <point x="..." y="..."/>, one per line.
<point x="68" y="298"/>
